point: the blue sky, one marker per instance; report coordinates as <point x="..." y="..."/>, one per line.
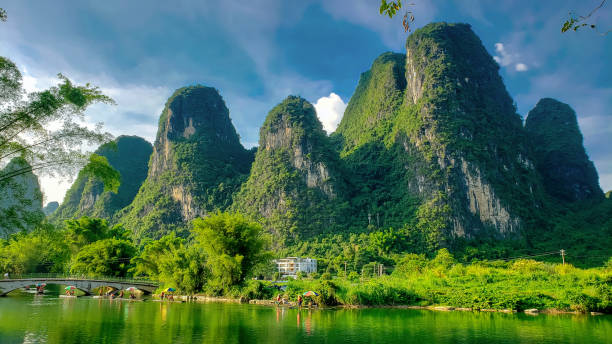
<point x="259" y="51"/>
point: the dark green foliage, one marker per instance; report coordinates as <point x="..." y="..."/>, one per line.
<point x="88" y="196"/>
<point x="106" y="257"/>
<point x="559" y="155"/>
<point x="197" y="165"/>
<point x="234" y="247"/>
<point x="40" y="251"/>
<point x="295" y="187"/>
<point x="171" y="261"/>
<point x="85" y="230"/>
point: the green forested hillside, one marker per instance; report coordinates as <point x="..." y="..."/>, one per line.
<point x="129" y="155"/>
<point x="295" y="187"/>
<point x="556" y="142"/>
<point x="197" y="165"/>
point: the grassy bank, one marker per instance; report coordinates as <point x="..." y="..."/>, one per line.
<point x="519" y="285"/>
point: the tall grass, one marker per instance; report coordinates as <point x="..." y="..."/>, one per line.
<point x="518" y="285"/>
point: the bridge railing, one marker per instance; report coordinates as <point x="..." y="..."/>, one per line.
<point x="83" y="277"/>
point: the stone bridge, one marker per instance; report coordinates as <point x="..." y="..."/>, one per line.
<point x="84" y="284"/>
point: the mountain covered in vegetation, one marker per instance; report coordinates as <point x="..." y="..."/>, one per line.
<point x="295" y="187"/>
<point x="559" y="154"/>
<point x="20" y="198"/>
<point x="435" y="138"/>
<point x="430" y="153"/>
<point x="128" y="155"/>
<point x="197" y="165"/>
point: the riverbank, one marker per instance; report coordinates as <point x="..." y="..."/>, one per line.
<point x="441" y="284"/>
<point x="439" y="308"/>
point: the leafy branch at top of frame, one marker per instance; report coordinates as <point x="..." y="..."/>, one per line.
<point x="577" y="22"/>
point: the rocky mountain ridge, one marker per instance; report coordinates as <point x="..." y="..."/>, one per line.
<point x="430" y="142"/>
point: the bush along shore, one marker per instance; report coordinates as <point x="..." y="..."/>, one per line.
<point x="443" y="284"/>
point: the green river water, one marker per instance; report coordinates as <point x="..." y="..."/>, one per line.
<point x="49" y="319"/>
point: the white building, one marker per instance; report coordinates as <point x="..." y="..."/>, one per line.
<point x="289" y="267"/>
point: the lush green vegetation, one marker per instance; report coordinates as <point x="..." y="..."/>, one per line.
<point x="295" y="188"/>
<point x="225" y="249"/>
<point x="90" y="195"/>
<point x="197" y="165"/>
<point x="517" y="285"/>
<point x="391" y="188"/>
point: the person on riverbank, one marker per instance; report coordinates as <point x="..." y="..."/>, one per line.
<point x="161" y="296"/>
<point x="121" y="294"/>
<point x="278" y="299"/>
<point x="299" y="301"/>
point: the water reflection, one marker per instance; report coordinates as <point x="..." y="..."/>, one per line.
<point x="86" y="320"/>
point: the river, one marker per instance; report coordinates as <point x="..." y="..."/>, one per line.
<point x="49" y="319"/>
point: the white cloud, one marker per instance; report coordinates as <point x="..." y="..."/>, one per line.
<point x="521" y="67"/>
<point x="505" y="58"/>
<point x="330" y="110"/>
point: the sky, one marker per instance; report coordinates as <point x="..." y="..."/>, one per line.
<point x="257" y="52"/>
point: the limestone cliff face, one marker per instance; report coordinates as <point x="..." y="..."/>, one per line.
<point x="20" y="199"/>
<point x="196" y="166"/>
<point x="559" y="154"/>
<point x="294" y="136"/>
<point x="468" y="127"/>
<point x="129" y="155"/>
<point x="437" y="126"/>
<point x="294" y="182"/>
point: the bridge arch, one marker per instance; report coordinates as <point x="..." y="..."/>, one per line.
<point x="85" y="285"/>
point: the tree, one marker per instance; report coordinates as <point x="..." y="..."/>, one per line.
<point x="149" y="261"/>
<point x="86" y="230"/>
<point x="107" y="257"/>
<point x="170" y="261"/>
<point x="234" y="247"/>
<point x="28" y="122"/>
<point x="42" y="250"/>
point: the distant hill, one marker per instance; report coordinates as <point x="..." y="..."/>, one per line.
<point x="20" y="199"/>
<point x="50" y="208"/>
<point x="86" y="197"/>
<point x="197" y="165"/>
<point x="559" y="154"/>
